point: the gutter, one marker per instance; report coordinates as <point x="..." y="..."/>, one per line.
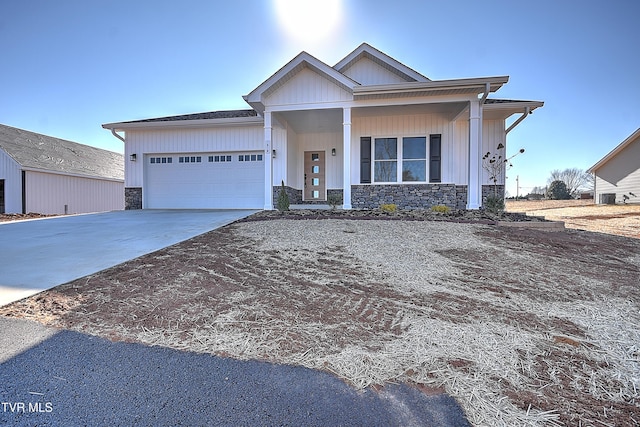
<point x="527" y="111"/>
<point x="113" y="131"/>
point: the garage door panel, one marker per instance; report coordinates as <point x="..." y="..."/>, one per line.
<point x="208" y="184"/>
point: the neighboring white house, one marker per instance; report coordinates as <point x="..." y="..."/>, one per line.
<point x="47" y="175"/>
<point x="617" y="175"/>
<point x="369" y="130"/>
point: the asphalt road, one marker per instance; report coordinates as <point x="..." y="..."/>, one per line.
<point x="63" y="378"/>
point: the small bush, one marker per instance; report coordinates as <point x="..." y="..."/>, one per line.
<point x="389" y="207"/>
<point x="283" y="199"/>
<point x="494" y="204"/>
<point x="334" y="200"/>
<point x="558" y="191"/>
<point x="441" y="209"/>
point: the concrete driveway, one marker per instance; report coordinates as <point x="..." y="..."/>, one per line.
<point x="40" y="254"/>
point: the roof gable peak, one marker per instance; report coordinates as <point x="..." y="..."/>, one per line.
<point x="367" y="51"/>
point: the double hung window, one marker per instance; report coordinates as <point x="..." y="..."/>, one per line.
<point x="406" y="159"/>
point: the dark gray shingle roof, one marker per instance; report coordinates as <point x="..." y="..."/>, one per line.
<point x="229" y="114"/>
<point x="34" y="150"/>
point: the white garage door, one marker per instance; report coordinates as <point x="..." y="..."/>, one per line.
<point x="204" y="181"/>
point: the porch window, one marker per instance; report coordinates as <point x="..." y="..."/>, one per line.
<point x="385" y="167"/>
<point x="414" y="159"/>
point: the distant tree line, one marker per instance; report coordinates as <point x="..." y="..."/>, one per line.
<point x="563" y="185"/>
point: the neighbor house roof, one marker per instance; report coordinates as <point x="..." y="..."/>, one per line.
<point x="41" y="152"/>
<point x="615" y="151"/>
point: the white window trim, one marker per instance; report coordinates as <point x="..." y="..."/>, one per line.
<point x="399" y="160"/>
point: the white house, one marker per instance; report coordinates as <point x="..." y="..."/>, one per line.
<point x="369" y="130"/>
<point x="617" y="175"/>
<point x="47" y="175"/>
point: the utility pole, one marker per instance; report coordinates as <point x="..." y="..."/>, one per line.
<point x="517" y="187"/>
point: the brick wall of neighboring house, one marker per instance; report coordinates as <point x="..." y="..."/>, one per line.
<point x="133" y="198"/>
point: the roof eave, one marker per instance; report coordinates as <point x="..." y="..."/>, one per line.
<point x="475" y="85"/>
<point x="615" y="151"/>
<point x="231" y="121"/>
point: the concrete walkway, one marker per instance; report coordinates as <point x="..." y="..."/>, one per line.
<point x="39" y="254"/>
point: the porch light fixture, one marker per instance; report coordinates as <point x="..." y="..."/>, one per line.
<point x="132" y="157"/>
<point x="273" y="153"/>
<point x="333" y="151"/>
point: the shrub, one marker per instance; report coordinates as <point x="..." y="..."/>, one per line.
<point x="283" y="199"/>
<point x="334" y="200"/>
<point x="494" y="204"/>
<point x="558" y="191"/>
<point x="389" y="207"/>
<point x="441" y="209"/>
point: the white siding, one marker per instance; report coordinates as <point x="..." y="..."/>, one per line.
<point x="232" y="138"/>
<point x="367" y="72"/>
<point x="621" y="175"/>
<point x="492" y="135"/>
<point x="307" y="86"/>
<point x="11" y="173"/>
<point x="48" y="193"/>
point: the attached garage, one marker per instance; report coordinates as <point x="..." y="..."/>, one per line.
<point x="227" y="180"/>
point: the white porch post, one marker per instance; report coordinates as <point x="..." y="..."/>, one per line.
<point x="474" y="189"/>
<point x="346" y="157"/>
<point x="268" y="163"/>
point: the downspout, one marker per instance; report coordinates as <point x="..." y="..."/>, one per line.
<point x="113" y="131"/>
<point x="487" y="89"/>
<point x="527" y="111"/>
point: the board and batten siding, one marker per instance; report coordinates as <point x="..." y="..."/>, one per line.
<point x="367" y="72"/>
<point x="49" y="193"/>
<point x="202" y="140"/>
<point x="10" y="172"/>
<point x="620" y="175"/>
<point x="307" y="86"/>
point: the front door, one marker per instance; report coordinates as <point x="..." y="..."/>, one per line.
<point x="314" y="176"/>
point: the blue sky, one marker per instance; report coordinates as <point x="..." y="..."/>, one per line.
<point x="69" y="66"/>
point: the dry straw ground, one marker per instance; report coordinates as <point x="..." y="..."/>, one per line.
<point x="522" y="327"/>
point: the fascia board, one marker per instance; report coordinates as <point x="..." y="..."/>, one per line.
<point x="517" y="106"/>
<point x="234" y="121"/>
<point x="319" y="66"/>
<point x="615" y="151"/>
<point x="476" y="83"/>
<point x="383" y="57"/>
<point x="75" y="175"/>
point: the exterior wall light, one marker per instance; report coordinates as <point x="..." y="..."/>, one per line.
<point x="333" y="151"/>
<point x="273" y="153"/>
<point x="132" y="157"/>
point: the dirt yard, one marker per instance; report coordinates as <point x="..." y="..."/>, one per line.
<point x="522" y="327"/>
<point x="622" y="220"/>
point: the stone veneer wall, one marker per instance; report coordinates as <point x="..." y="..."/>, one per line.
<point x="487" y="190"/>
<point x="133" y="198"/>
<point x="405" y="196"/>
<point x="295" y="196"/>
<point x="409" y="196"/>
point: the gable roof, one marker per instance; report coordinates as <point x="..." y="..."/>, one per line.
<point x="367" y="51"/>
<point x="36" y="151"/>
<point x="633" y="137"/>
<point x="210" y="118"/>
<point x="284" y="74"/>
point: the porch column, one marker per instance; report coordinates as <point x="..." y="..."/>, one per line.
<point x="346" y="158"/>
<point x="474" y="189"/>
<point x="268" y="163"/>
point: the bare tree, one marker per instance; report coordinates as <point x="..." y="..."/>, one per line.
<point x="575" y="179"/>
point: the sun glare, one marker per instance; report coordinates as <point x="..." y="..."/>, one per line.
<point x="308" y="20"/>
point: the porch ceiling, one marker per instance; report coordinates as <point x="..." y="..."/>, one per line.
<point x="313" y="121"/>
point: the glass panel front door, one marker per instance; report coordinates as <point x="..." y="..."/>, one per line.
<point x="314" y="176"/>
